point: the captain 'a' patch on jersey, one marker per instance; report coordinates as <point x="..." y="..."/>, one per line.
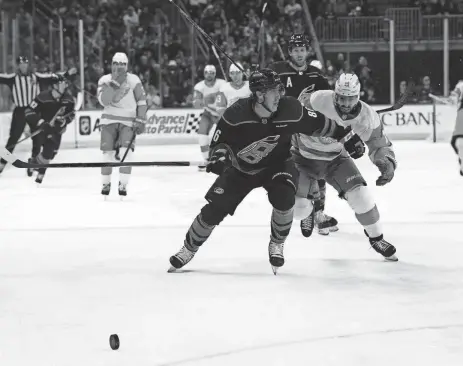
<point x="299" y="82"/>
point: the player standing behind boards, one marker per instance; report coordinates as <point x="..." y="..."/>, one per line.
<point x="205" y="93"/>
<point x="328" y="160"/>
<point x="230" y="92"/>
<point x="457" y="136"/>
<point x="300" y="79"/>
<point x="124" y="100"/>
<point x="41" y="114"/>
<point x="251" y="149"/>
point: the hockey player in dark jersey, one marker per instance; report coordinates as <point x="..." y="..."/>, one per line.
<point x="251" y="148"/>
<point x="300" y="80"/>
<point x="51" y="111"/>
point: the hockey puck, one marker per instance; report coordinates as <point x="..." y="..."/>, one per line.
<point x="114" y="341"/>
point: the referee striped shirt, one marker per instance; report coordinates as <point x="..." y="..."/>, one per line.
<point x="24" y="88"/>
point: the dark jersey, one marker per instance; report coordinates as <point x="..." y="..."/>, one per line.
<point x="255" y="143"/>
<point x="46" y="107"/>
<point x="299" y="82"/>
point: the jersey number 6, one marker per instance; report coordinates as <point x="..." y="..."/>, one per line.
<point x="216" y="135"/>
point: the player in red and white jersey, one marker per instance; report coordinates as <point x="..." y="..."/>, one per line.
<point x="205" y="93"/>
<point x="457" y="136"/>
<point x="325" y="158"/>
<point x="230" y="92"/>
<point x="124" y="100"/>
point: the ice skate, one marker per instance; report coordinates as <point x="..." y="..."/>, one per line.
<point x="105" y="190"/>
<point x="307" y="225"/>
<point x="39" y="178"/>
<point x="275" y="253"/>
<point x="122" y="190"/>
<point x="387" y="250"/>
<point x="325" y="224"/>
<point x="30" y="171"/>
<point x="178" y="260"/>
<point x="202" y="166"/>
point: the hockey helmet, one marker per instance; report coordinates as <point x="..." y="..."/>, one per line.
<point x="347" y="92"/>
<point x="347" y="85"/>
<point x="234" y="68"/>
<point x="120" y="57"/>
<point x="298" y="40"/>
<point x="263" y="80"/>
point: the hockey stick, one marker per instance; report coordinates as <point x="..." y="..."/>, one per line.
<point x="9" y="157"/>
<point x="401" y="102"/>
<point x="128" y="148"/>
<point x="261" y="31"/>
<point x="443" y="100"/>
<point x="200" y="30"/>
<point x="220" y="62"/>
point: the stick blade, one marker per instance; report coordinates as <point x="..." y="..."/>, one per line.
<point x="6" y="155"/>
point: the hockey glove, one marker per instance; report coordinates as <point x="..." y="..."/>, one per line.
<point x="355" y="147"/>
<point x="139" y="125"/>
<point x="218" y="161"/>
<point x="386" y="163"/>
<point x="387" y="168"/>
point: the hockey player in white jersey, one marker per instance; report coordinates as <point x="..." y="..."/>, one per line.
<point x="457" y="136"/>
<point x="236" y="89"/>
<point x="205" y="93"/>
<point x="325" y="158"/>
<point x="124" y="100"/>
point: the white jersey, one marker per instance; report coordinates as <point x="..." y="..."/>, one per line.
<point x="209" y="93"/>
<point x="458" y="93"/>
<point x="129" y="96"/>
<point x="228" y="94"/>
<point x="325" y="148"/>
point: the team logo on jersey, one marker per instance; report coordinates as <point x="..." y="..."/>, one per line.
<point x="308" y="90"/>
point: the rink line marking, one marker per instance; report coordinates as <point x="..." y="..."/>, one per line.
<point x="185" y="226"/>
<point x="309" y="340"/>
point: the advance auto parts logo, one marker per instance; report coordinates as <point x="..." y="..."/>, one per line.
<point x="166" y="123"/>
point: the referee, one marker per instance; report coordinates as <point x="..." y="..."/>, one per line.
<point x="25" y="86"/>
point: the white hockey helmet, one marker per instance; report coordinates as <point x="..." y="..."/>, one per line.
<point x="120" y="57"/>
<point x="316" y="64"/>
<point x="347" y="92"/>
<point x="347" y="85"/>
<point x="233" y="68"/>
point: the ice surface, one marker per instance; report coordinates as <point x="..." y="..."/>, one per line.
<point x="75" y="269"/>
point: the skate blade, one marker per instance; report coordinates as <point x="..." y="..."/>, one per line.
<point x="333" y="229"/>
<point x="172" y="269"/>
<point x="324" y="232"/>
<point x="275" y="270"/>
<point x="392" y="258"/>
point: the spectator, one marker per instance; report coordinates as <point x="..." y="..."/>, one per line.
<point x="131" y="18"/>
<point x="424" y="90"/>
<point x="293" y="9"/>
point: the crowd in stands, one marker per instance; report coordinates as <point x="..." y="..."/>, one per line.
<point x="159" y="54"/>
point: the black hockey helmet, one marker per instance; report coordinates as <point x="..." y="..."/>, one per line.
<point x="298" y="40"/>
<point x="22" y="60"/>
<point x="263" y="80"/>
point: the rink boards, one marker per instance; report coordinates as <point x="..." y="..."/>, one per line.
<point x="179" y="126"/>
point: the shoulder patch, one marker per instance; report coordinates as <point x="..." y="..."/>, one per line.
<point x="239" y="112"/>
<point x="290" y="110"/>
